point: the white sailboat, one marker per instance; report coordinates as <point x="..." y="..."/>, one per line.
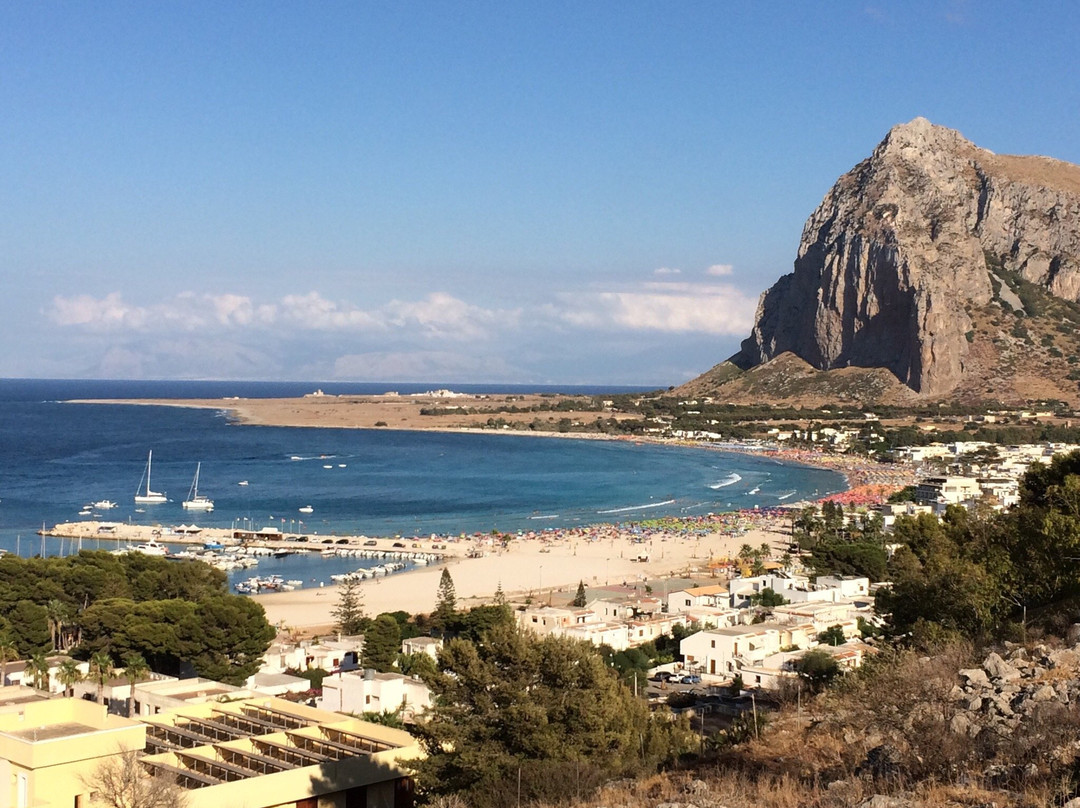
<point x="149" y="496"/>
<point x="195" y="500"/>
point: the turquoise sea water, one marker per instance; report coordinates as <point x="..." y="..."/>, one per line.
<point x="56" y="457"/>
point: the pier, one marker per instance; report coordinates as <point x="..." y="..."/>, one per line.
<point x="89" y="534"/>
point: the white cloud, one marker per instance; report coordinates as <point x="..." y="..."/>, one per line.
<point x="444" y="316"/>
<point x="720" y="270"/>
<point x="667" y="271"/>
<point x="659" y="306"/>
<point x="437" y="315"/>
<point x="435" y="337"/>
<point x="100" y="314"/>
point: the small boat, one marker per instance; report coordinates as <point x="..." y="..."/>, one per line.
<point x="242" y="482"/>
<point x="84" y="513"/>
<point x="149" y="496"/>
<point x="307" y="509"/>
<point x="151" y="548"/>
<point x="328" y="466"/>
<point x="195" y="500"/>
<point x="103" y="504"/>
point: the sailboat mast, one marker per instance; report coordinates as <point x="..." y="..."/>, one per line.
<point x="149" y="463"/>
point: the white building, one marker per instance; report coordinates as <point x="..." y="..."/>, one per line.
<point x="725" y="651"/>
<point x="946" y="490"/>
<point x="715" y="596"/>
<point x="773" y="670"/>
<point x="370" y="692"/>
<point x="342" y="653"/>
<point x="795" y="588"/>
<point x="421" y="645"/>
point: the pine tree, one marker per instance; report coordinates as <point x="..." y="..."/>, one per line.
<point x="447" y="598"/>
<point x="579" y="599"/>
<point x="539" y="711"/>
<point x="349" y="612"/>
<point x="382" y="643"/>
<point x="500" y="597"/>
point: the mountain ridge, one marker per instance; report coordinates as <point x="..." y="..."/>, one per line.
<point x="911" y="264"/>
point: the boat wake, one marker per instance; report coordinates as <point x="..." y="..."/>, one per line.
<point x="754" y="490"/>
<point x="546" y="516"/>
<point x="731" y="479"/>
<point x="788" y="495"/>
<point x="640" y="507"/>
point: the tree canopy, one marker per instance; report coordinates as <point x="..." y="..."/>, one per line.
<point x="546" y="710"/>
<point x="382" y="643"/>
<point x="978" y="573"/>
<point x="171" y="613"/>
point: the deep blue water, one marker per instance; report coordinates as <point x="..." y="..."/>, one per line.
<point x="55" y="457"/>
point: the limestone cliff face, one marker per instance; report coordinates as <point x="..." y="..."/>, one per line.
<point x="895" y="255"/>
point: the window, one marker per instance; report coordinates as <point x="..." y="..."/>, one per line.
<point x="367" y="699"/>
<point x="712" y="643"/>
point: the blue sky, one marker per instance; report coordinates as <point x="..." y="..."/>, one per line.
<point x="557" y="192"/>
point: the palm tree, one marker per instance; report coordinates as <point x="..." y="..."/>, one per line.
<point x="135" y="670"/>
<point x="101" y="670"/>
<point x="68" y="674"/>
<point x="37" y="668"/>
<point x="8" y="653"/>
<point x="57" y="613"/>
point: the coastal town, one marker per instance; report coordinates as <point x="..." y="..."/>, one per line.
<point x="732" y="596"/>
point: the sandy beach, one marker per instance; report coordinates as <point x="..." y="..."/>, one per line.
<point x="542" y="568"/>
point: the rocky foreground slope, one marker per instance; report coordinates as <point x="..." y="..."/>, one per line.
<point x="911" y="257"/>
<point x="949" y="731"/>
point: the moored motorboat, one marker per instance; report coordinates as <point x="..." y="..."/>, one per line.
<point x="151" y="548"/>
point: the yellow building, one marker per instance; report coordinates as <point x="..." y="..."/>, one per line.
<point x="48" y="748"/>
<point x="251" y="753"/>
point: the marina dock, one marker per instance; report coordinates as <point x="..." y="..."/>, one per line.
<point x="92" y="534"/>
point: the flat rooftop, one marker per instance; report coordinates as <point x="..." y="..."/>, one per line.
<point x="53" y="731"/>
<point x="198" y="693"/>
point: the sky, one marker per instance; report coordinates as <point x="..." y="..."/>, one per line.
<point x="548" y="193"/>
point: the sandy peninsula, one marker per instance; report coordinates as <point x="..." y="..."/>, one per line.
<point x="391" y="411"/>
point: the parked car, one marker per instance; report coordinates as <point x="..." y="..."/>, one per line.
<point x="371" y="543"/>
<point x="662" y="676"/>
<point x="690" y="679"/>
<point x="399" y="544"/>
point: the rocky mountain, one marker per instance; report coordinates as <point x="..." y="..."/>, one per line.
<point x="920" y="261"/>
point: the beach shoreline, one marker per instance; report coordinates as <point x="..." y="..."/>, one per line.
<point x="544" y="563"/>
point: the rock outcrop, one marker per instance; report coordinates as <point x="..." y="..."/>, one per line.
<point x="905" y="247"/>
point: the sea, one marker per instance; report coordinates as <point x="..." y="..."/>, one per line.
<point x="57" y="457"/>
